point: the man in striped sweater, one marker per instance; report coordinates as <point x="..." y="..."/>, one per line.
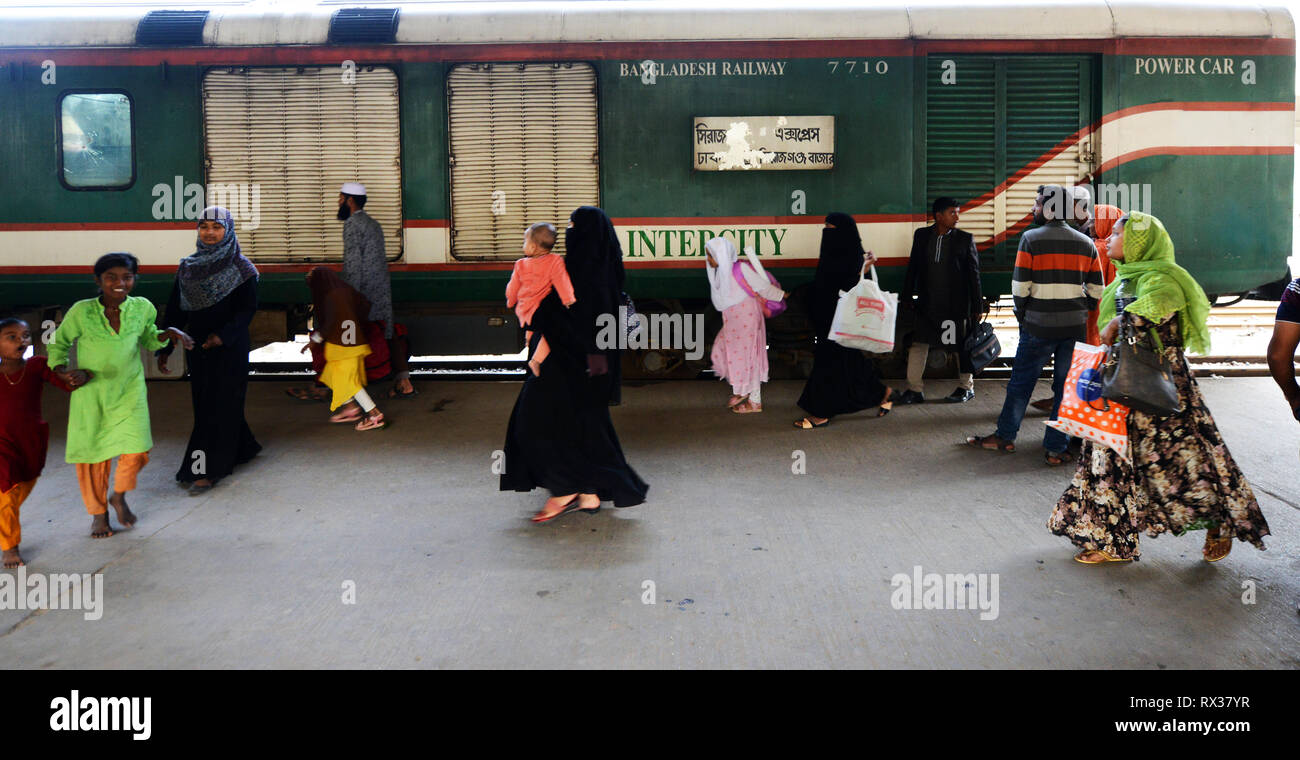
<point x="1056" y="282"/>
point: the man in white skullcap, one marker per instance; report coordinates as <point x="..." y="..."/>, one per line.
<point x="365" y="267"/>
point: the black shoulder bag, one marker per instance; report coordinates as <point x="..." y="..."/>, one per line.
<point x="982" y="346"/>
<point x="1138" y="375"/>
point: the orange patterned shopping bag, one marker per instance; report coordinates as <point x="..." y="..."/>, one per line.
<point x="1084" y="413"/>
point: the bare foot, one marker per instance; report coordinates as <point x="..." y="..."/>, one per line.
<point x="13" y="559"/>
<point x="124" y="514"/>
<point x="100" y="527"/>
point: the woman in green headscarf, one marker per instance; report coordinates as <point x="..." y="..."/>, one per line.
<point x="1182" y="477"/>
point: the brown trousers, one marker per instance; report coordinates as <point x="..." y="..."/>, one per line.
<point x="11" y="533"/>
<point x="93" y="479"/>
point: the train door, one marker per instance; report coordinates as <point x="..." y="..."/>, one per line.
<point x="523" y="147"/>
<point x="280" y="142"/>
<point x="997" y="127"/>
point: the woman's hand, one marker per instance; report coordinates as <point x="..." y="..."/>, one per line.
<point x="869" y="259"/>
<point x="162" y="363"/>
<point x="213" y="341"/>
<point x="1109" y="333"/>
<point x="180" y="337"/>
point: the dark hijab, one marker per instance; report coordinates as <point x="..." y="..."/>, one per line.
<point x="334" y="302"/>
<point x="594" y="260"/>
<point x="213" y="272"/>
<point x="838" y="268"/>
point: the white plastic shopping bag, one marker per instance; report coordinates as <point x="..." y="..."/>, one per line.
<point x="864" y="316"/>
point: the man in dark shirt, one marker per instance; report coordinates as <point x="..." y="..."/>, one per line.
<point x="944" y="275"/>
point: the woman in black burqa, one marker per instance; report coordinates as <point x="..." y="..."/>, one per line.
<point x="843" y="380"/>
<point x="214" y="298"/>
<point x="560" y="435"/>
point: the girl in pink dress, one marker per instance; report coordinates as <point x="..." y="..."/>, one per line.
<point x="740" y="348"/>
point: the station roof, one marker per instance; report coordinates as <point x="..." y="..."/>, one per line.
<point x="59" y="23"/>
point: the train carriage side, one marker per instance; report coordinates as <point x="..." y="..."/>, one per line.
<point x="464" y="145"/>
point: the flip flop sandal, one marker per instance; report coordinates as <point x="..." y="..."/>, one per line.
<point x="887" y="405"/>
<point x="1106" y="557"/>
<point x="376" y="422"/>
<point x="570" y="507"/>
<point x="1056" y="460"/>
<point x="303" y="394"/>
<point x="394" y="393"/>
<point x="982" y="441"/>
<point x="1215" y="543"/>
<point x="807" y="424"/>
<point x="746" y="407"/>
<point x="736" y="401"/>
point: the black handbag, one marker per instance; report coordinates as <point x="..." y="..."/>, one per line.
<point x="1138" y="375"/>
<point x="982" y="346"/>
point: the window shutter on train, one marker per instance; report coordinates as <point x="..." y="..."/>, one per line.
<point x="524" y="149"/>
<point x="298" y="134"/>
<point x="994" y="117"/>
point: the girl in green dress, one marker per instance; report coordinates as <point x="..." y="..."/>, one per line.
<point x="108" y="415"/>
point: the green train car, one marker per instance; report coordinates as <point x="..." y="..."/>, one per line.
<point x="468" y="121"/>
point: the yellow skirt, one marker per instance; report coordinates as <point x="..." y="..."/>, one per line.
<point x="345" y="371"/>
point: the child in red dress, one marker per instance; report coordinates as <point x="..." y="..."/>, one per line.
<point x="24" y="435"/>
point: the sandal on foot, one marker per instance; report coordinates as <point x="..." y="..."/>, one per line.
<point x="394" y="393"/>
<point x="1097" y="557"/>
<point x="372" y="422"/>
<point x="570" y="507"/>
<point x="746" y="407"/>
<point x="306" y="394"/>
<point x="887" y="405"/>
<point x="1056" y="460"/>
<point x="1216" y="549"/>
<point x="991" y="443"/>
<point x="735" y="401"/>
<point x="807" y="424"/>
<point x="342" y="417"/>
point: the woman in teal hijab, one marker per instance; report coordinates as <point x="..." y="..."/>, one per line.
<point x="1182" y="477"/>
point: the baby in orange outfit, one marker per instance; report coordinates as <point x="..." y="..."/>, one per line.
<point x="532" y="280"/>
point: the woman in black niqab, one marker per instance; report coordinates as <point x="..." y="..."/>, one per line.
<point x="843" y="380"/>
<point x="560" y="435"/>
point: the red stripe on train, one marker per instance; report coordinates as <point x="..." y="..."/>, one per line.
<point x="319" y="53"/>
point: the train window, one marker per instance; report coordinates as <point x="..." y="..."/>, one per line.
<point x="280" y="141"/>
<point x="96" y="149"/>
<point x="524" y="148"/>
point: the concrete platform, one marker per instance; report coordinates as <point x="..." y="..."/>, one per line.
<point x="752" y="565"/>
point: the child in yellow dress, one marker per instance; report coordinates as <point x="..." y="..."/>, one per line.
<point x="339" y="315"/>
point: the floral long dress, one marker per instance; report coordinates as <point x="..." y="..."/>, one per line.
<point x="1182" y="477"/>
